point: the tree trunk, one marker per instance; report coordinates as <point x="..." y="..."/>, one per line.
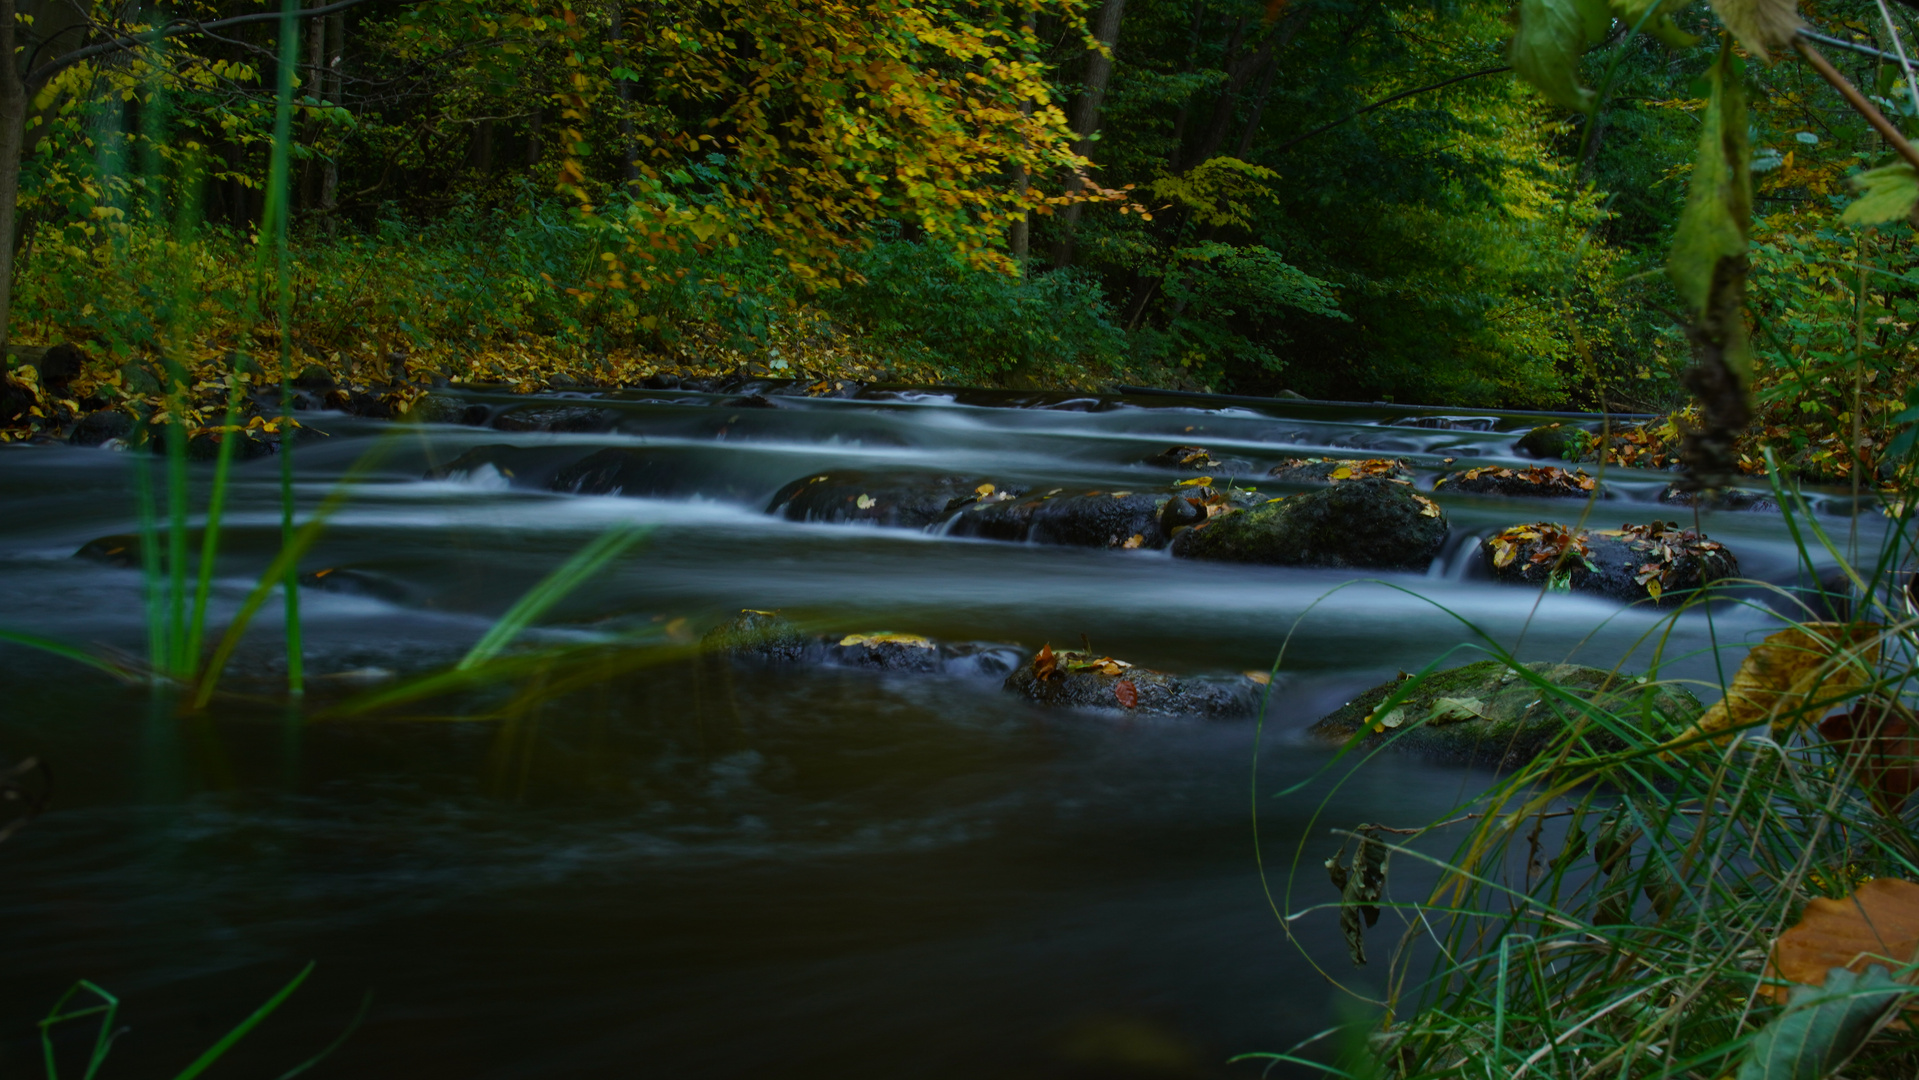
<point x="13" y="130"/>
<point x="334" y="88"/>
<point x="629" y="162"/>
<point x="1099" y="74"/>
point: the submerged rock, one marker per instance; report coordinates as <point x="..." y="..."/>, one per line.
<point x="767" y="637"/>
<point x="1723" y="499"/>
<point x="908" y="499"/>
<point x="1486" y="713"/>
<point x="100" y="427"/>
<point x="1319" y="470"/>
<point x="352" y="581"/>
<point x="1184" y="458"/>
<point x="1538" y="482"/>
<point x="758" y="635"/>
<point x="519" y="465"/>
<point x="1657" y="561"/>
<point x="1090" y="681"/>
<point x="1374" y="523"/>
<point x="1555" y="442"/>
<point x="1112" y="519"/>
<point x="566" y="418"/>
<point x="447" y="409"/>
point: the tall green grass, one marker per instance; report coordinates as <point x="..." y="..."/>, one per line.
<point x="1609" y="909"/>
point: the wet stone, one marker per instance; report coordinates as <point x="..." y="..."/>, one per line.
<point x="911" y="500"/>
<point x="1109" y="519"/>
<point x="1537" y="482"/>
<point x="448" y="409"/>
<point x="1555" y="442"/>
<point x="1659" y="561"/>
<point x="562" y="418"/>
<point x="1089" y="681"/>
<point x="1486" y="713"/>
<point x="524" y="466"/>
<point x="1737" y="499"/>
<point x="100" y="427"/>
<point x="351" y="581"/>
<point x="762" y="636"/>
<point x="1320" y="470"/>
<point x="1371" y="523"/>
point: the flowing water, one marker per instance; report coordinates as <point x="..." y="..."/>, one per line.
<point x="716" y="870"/>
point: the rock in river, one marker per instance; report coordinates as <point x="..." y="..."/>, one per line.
<point x="1319" y="470"/>
<point x="910" y="499"/>
<point x="1487" y="713"/>
<point x="1657" y="561"/>
<point x="1555" y="442"/>
<point x="1088" y="680"/>
<point x="1112" y="519"/>
<point x="1373" y="522"/>
<point x="767" y="637"/>
<point x="1538" y="482"/>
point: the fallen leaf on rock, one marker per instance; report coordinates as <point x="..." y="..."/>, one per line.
<point x="1045" y="663"/>
<point x="1390" y="720"/>
<point x="1197" y="481"/>
<point x="1122" y="494"/>
<point x="1427" y="507"/>
<point x="1134" y="541"/>
<point x="1452" y="709"/>
<point x="866" y="502"/>
<point x="1344" y="472"/>
<point x="1263" y="678"/>
<point x="1878" y="923"/>
<point x="984" y="490"/>
<point x="1127" y="693"/>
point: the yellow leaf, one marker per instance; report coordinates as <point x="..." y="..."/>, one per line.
<point x="1197" y="481"/>
<point x="1344" y="472"/>
<point x="1813" y="663"/>
<point x="984" y="490"/>
<point x="1134" y="541"/>
<point x="1653" y="588"/>
<point x="1263" y="678"/>
<point x="866" y="502"/>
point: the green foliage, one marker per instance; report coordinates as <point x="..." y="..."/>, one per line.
<point x="1887" y="193"/>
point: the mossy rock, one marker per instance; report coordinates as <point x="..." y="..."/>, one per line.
<point x="448" y="409"/>
<point x="1108" y="519"/>
<point x="1657" y="562"/>
<point x="1091" y="681"/>
<point x="1372" y="523"/>
<point x="1486" y="713"/>
<point x="1538" y="482"/>
<point x="1319" y="470"/>
<point x="564" y="418"/>
<point x="764" y="636"/>
<point x="1722" y="499"/>
<point x="1555" y="442"/>
<point x="907" y="499"/>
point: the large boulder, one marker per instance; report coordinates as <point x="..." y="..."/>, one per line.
<point x="911" y="500"/>
<point x="1091" y="681"/>
<point x="1658" y="561"/>
<point x="766" y="637"/>
<point x="1374" y="523"/>
<point x="1538" y="482"/>
<point x="1488" y="713"/>
<point x="448" y="409"/>
<point x="1321" y="470"/>
<point x="102" y="426"/>
<point x="1112" y="519"/>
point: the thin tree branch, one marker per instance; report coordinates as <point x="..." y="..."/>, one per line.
<point x="1857" y="100"/>
<point x="1382" y="103"/>
<point x="38" y="76"/>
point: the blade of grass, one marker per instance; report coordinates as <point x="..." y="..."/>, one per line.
<point x="217" y="1050"/>
<point x="274" y="224"/>
<point x="62" y="649"/>
<point x="567" y="577"/>
<point x="210" y="538"/>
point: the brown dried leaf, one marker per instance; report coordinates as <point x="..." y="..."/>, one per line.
<point x="1878" y="923"/>
<point x="1134" y="541"/>
<point x="1760" y="25"/>
<point x="1127" y="693"/>
<point x="1813" y="662"/>
<point x="1045" y="664"/>
<point x="1879" y="747"/>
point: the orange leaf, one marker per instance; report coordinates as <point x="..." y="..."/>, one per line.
<point x="1878" y="923"/>
<point x="1045" y="663"/>
<point x="1127" y="693"/>
<point x="1879" y="748"/>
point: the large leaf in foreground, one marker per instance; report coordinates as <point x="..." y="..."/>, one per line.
<point x="1821" y="1027"/>
<point x="1878" y="923"/>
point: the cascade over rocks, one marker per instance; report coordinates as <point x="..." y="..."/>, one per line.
<point x="1090" y="681"/>
<point x="1657" y="561"/>
<point x="1375" y="523"/>
<point x="1538" y="482"/>
<point x="911" y="500"/>
<point x="523" y="466"/>
<point x="100" y="427"/>
<point x="1486" y="713"/>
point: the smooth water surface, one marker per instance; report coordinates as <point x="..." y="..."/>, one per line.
<point x="705" y="869"/>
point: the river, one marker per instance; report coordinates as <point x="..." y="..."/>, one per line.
<point x="702" y="870"/>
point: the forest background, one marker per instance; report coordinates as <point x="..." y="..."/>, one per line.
<point x="1345" y="199"/>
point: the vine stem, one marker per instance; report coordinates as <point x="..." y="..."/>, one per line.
<point x="1857" y="100"/>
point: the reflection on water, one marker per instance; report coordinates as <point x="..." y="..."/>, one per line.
<point x="696" y="869"/>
